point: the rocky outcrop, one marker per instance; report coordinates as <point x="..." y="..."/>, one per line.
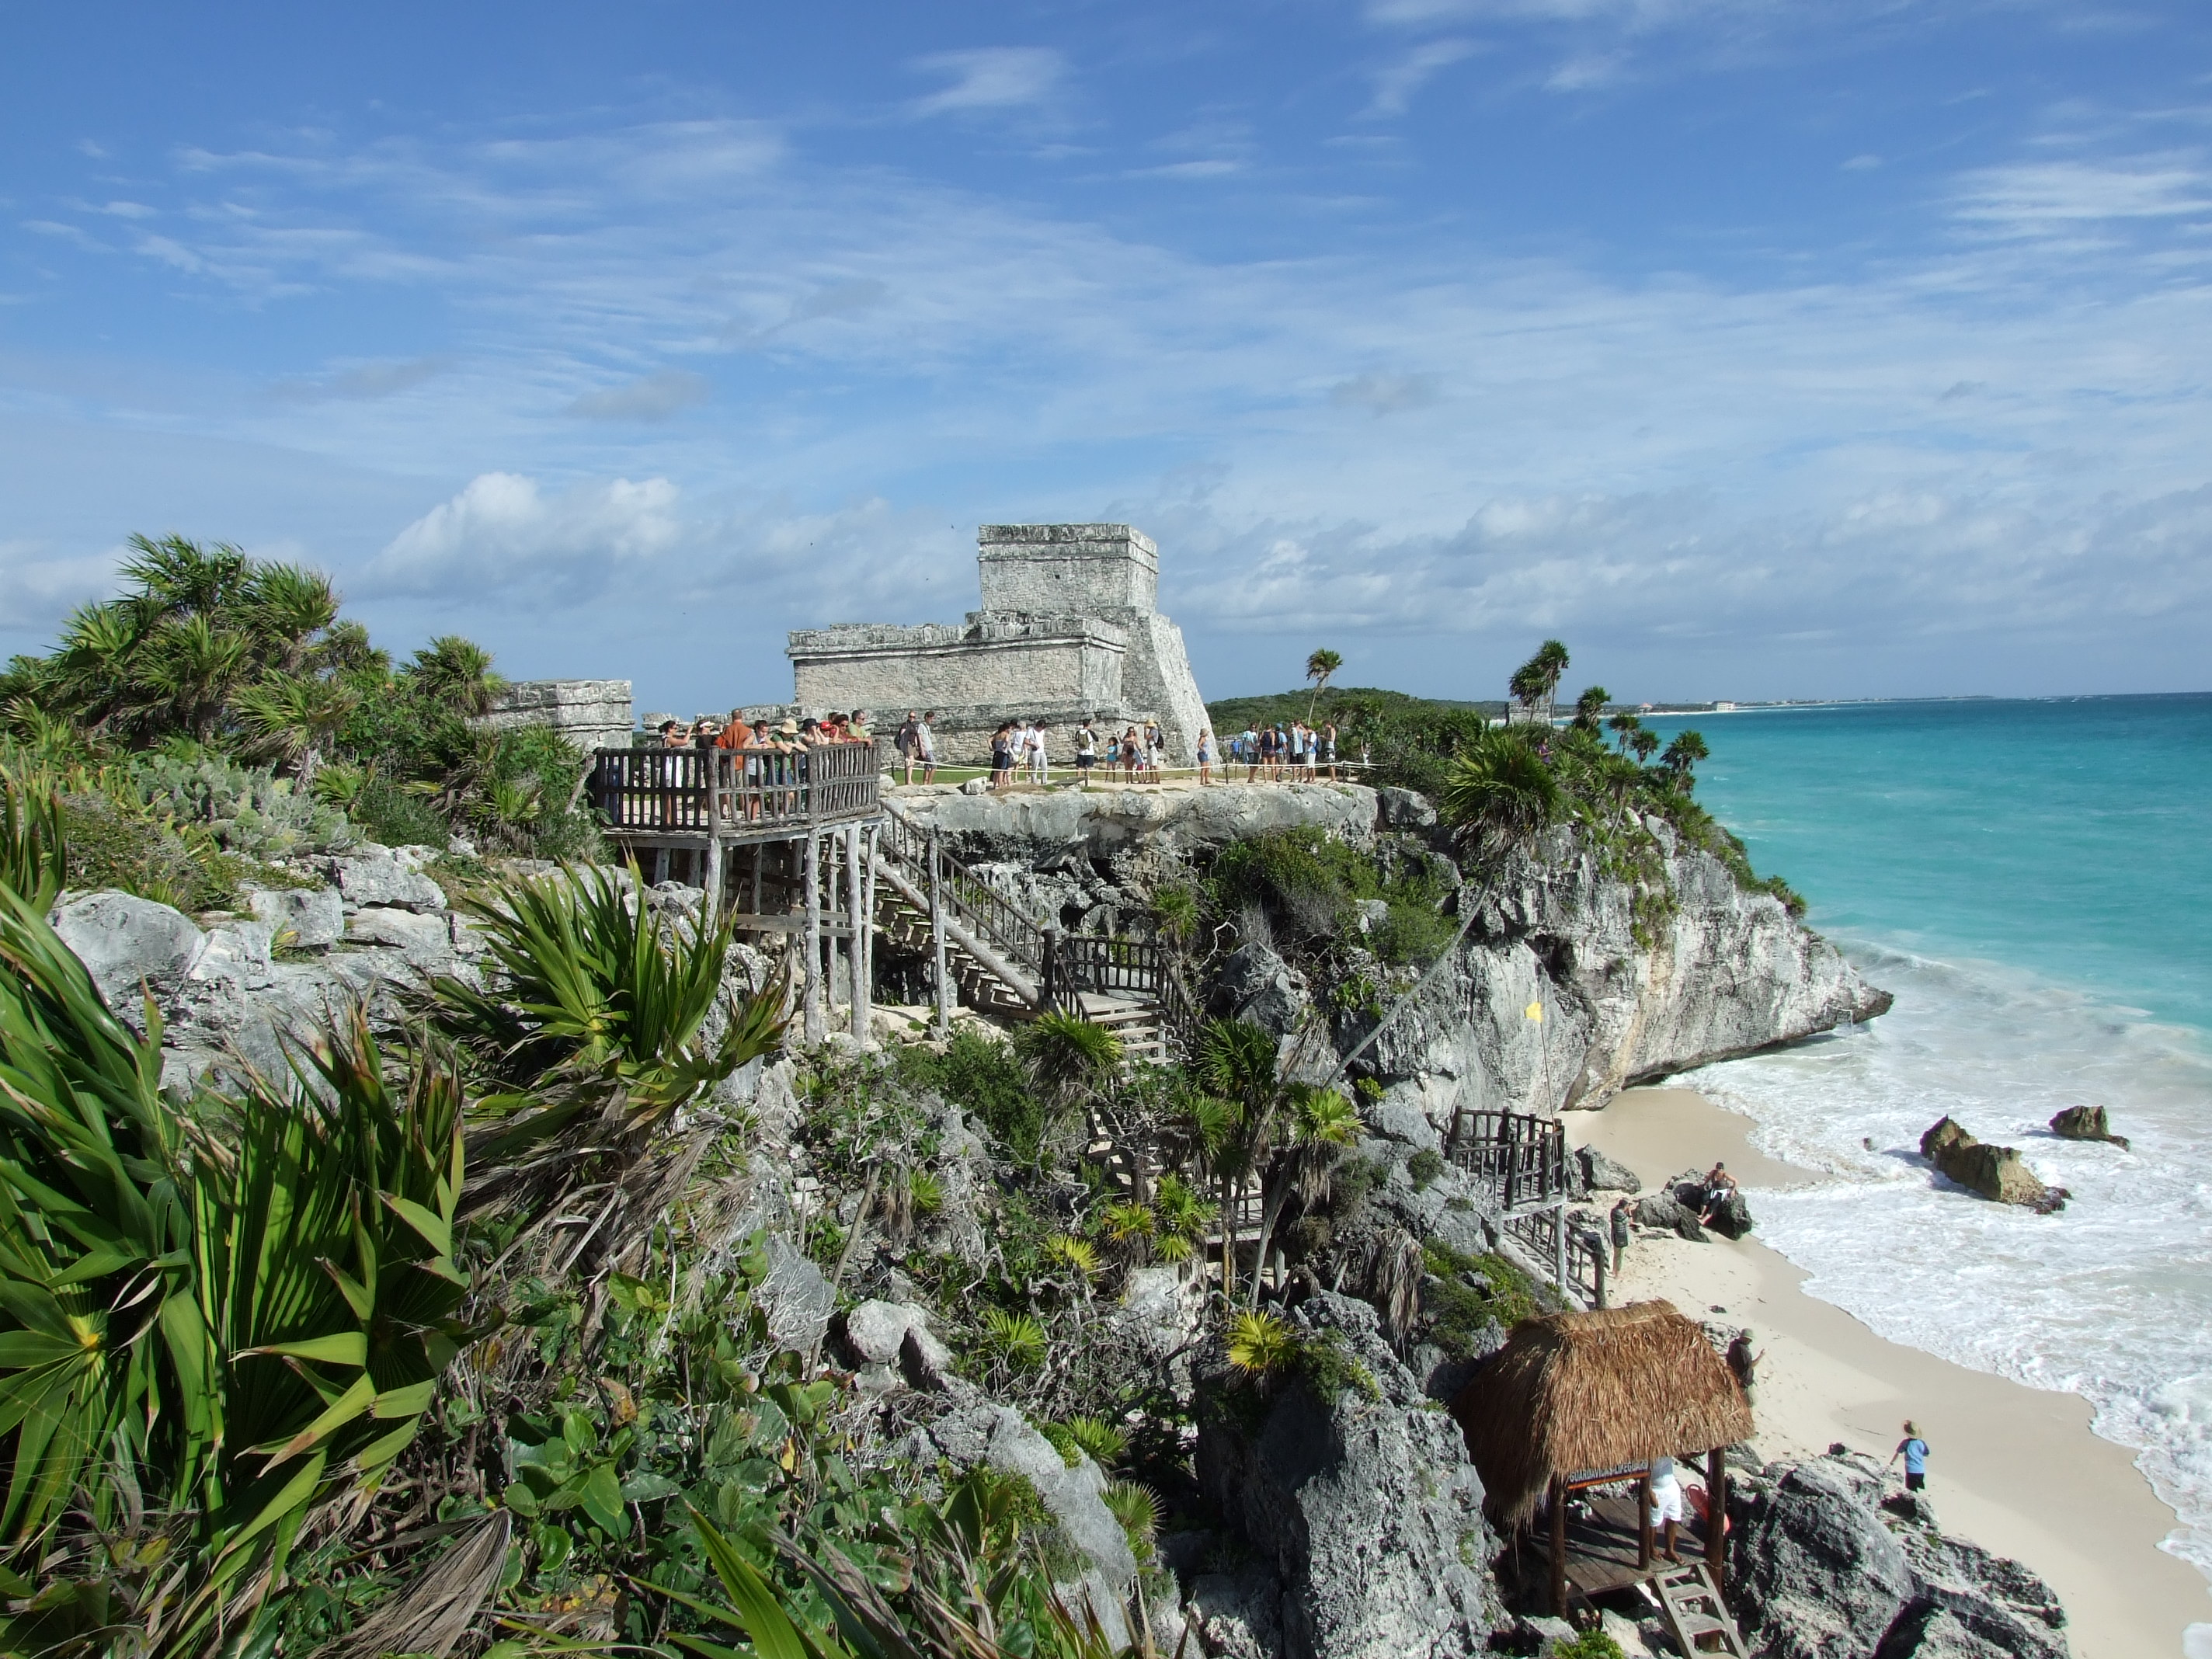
<point x="1573" y="984"/>
<point x="1363" y="1510"/>
<point x="2086" y="1123"/>
<point x="1603" y="1174"/>
<point x="1629" y="980"/>
<point x="1825" y="1569"/>
<point x="1996" y="1172"/>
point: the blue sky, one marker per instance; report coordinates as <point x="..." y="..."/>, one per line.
<point x="1756" y="350"/>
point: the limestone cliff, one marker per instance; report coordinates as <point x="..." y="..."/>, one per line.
<point x="1574" y="981"/>
<point x="1563" y="993"/>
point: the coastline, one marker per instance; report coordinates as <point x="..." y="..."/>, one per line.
<point x="2015" y="1469"/>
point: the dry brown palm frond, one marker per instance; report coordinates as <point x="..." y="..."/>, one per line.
<point x="438" y="1607"/>
<point x="1575" y="1393"/>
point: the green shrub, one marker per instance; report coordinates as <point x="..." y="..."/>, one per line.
<point x="1425" y="1166"/>
<point x="1467" y="1294"/>
<point x="983" y="1078"/>
<point x="1590" y="1644"/>
<point x="109" y="846"/>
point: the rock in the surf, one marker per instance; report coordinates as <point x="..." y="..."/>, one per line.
<point x="2086" y="1123"/>
<point x="1995" y="1172"/>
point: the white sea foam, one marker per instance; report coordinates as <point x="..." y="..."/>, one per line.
<point x="2111" y="1299"/>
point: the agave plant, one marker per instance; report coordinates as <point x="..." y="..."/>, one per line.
<point x="600" y="1022"/>
<point x="1259" y="1344"/>
<point x="231" y="1311"/>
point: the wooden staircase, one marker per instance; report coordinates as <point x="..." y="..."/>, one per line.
<point x="1006" y="965"/>
<point x="1697" y="1618"/>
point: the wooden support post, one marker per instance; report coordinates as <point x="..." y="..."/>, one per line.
<point x="711" y="876"/>
<point x="856" y="942"/>
<point x="812" y="1005"/>
<point x="868" y="924"/>
<point x="937" y="940"/>
<point x="1558" y="1546"/>
<point x="1716" y="1517"/>
<point x="757" y="850"/>
<point x="829" y="914"/>
<point x="1643" y="1546"/>
<point x="1560" y="1244"/>
<point x="1601" y="1259"/>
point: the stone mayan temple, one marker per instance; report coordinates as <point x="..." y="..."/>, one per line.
<point x="1070" y="629"/>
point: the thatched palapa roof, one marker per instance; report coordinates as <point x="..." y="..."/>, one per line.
<point x="1573" y="1393"/>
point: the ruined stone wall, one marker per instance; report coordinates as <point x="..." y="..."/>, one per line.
<point x="1099" y="570"/>
<point x="590" y="713"/>
<point x="1011" y="664"/>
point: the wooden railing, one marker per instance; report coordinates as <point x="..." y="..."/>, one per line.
<point x="1520" y="1157"/>
<point x="1066" y="965"/>
<point x="686" y="792"/>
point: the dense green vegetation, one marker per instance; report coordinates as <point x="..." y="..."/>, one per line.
<point x="220" y="713"/>
<point x="1602" y="773"/>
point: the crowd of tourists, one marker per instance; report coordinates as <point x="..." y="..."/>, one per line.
<point x="760" y="737"/>
<point x="1296" y="753"/>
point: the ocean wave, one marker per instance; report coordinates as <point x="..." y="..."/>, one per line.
<point x="2111" y="1299"/>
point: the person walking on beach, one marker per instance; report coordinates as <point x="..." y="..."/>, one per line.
<point x="1619" y="1223"/>
<point x="1914" y="1450"/>
<point x="1745" y="1364"/>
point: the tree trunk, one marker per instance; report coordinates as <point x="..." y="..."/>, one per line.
<point x="1271" y="1211"/>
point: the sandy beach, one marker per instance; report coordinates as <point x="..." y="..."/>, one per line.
<point x="2015" y="1469"/>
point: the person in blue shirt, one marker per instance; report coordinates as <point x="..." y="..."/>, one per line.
<point x="1914" y="1450"/>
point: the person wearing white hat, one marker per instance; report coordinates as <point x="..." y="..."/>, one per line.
<point x="1666" y="1502"/>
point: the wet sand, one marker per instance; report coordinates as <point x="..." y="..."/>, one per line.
<point x="2014" y="1469"/>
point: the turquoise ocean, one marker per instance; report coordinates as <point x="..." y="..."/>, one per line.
<point x="2033" y="881"/>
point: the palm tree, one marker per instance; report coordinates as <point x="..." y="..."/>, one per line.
<point x="1537" y="680"/>
<point x="1070" y="1061"/>
<point x="1498" y="793"/>
<point x="1624" y="726"/>
<point x="1645" y="743"/>
<point x="1320" y="1124"/>
<point x="456" y="672"/>
<point x="1236" y="1066"/>
<point x="1319" y="667"/>
<point x="179" y="578"/>
<point x="1682" y="755"/>
<point x="187" y="672"/>
<point x="1589" y="709"/>
<point x="291" y="719"/>
<point x="288" y="607"/>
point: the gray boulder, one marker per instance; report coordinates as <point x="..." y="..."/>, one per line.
<point x="1818" y="1576"/>
<point x="1664" y="1212"/>
<point x="1827" y="1567"/>
<point x="423" y="941"/>
<point x="1366" y="1509"/>
<point x="1237" y="1615"/>
<point x="386" y="880"/>
<point x="1403" y="809"/>
<point x="1257" y="985"/>
<point x="305" y="918"/>
<point x="2086" y="1123"/>
<point x="1603" y="1174"/>
<point x="126" y="942"/>
<point x="876" y="1331"/>
<point x="796" y="1298"/>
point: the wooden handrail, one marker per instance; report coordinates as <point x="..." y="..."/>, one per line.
<point x="705" y="790"/>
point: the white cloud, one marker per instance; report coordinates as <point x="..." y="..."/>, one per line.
<point x="2043" y="198"/>
<point x="991" y="78"/>
<point x="502" y="535"/>
<point x="655" y="396"/>
<point x="1396" y="85"/>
